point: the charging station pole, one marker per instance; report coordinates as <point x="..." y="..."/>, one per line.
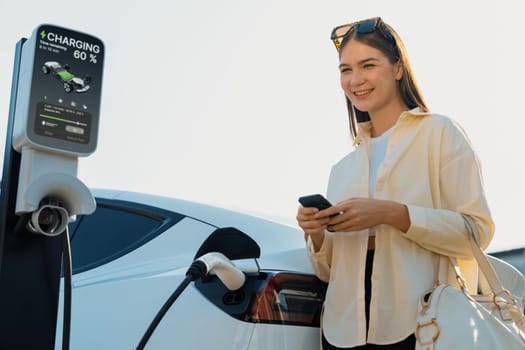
<point x="30" y="265"/>
<point x="53" y="119"/>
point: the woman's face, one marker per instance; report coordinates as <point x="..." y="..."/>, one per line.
<point x="368" y="78"/>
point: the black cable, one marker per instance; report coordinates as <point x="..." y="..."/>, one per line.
<point x="196" y="270"/>
<point x="66" y="261"/>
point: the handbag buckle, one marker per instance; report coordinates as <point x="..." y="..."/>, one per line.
<point x="426" y="300"/>
<point x="503" y="300"/>
<point x="433" y="322"/>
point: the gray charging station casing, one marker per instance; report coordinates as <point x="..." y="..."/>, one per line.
<point x="57" y="117"/>
<point x="59" y="91"/>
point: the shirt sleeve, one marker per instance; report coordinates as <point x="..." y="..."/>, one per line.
<point x="321" y="260"/>
<point x="442" y="229"/>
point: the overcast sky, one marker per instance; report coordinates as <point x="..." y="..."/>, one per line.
<point x="238" y="104"/>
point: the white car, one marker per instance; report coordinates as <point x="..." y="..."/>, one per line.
<point x="133" y="252"/>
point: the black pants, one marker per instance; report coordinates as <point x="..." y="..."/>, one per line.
<point x="407" y="344"/>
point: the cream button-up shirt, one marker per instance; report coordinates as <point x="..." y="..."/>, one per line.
<point x="431" y="167"/>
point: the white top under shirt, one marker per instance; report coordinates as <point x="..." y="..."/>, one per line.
<point x="377" y="155"/>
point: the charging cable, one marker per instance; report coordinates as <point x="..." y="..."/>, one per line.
<point x="66" y="261"/>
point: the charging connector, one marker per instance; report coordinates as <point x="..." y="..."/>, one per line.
<point x="50" y="219"/>
<point x="231" y="277"/>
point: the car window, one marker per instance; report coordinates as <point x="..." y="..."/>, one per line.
<point x="115" y="229"/>
<point x="515" y="257"/>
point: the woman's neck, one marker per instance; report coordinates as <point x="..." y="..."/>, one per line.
<point x="385" y="119"/>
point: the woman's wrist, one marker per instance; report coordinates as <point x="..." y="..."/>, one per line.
<point x="317" y="240"/>
<point x="397" y="215"/>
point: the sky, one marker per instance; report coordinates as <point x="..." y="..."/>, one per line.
<point x="237" y="103"/>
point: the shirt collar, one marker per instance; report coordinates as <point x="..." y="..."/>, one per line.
<point x="363" y="128"/>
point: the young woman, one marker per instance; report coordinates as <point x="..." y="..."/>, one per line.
<point x="399" y="195"/>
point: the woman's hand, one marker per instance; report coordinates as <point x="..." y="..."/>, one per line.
<point x="313" y="223"/>
<point x="362" y="213"/>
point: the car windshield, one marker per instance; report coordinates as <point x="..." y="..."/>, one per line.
<point x="65" y="75"/>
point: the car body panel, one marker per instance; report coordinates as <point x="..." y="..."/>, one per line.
<point x="266" y="337"/>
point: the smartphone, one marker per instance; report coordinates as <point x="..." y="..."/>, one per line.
<point x="315" y="200"/>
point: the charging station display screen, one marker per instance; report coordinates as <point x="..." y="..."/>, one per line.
<point x="63" y="123"/>
<point x="65" y="90"/>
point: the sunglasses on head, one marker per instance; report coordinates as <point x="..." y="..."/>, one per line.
<point x="362" y="27"/>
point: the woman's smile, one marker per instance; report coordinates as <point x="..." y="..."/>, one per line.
<point x="362" y="94"/>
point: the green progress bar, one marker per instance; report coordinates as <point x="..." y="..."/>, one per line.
<point x="62" y="120"/>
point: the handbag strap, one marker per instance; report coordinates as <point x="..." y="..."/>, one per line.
<point x="483" y="262"/>
<point x="487" y="271"/>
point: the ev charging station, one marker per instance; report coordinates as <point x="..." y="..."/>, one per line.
<point x="53" y="120"/>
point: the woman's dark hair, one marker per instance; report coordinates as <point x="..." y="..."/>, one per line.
<point x="395" y="51"/>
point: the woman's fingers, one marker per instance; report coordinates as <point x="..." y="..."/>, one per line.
<point x="355" y="214"/>
<point x="307" y="220"/>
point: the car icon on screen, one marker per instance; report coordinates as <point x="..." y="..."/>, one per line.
<point x="70" y="80"/>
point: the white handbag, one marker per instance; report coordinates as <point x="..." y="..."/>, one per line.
<point x="451" y="318"/>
